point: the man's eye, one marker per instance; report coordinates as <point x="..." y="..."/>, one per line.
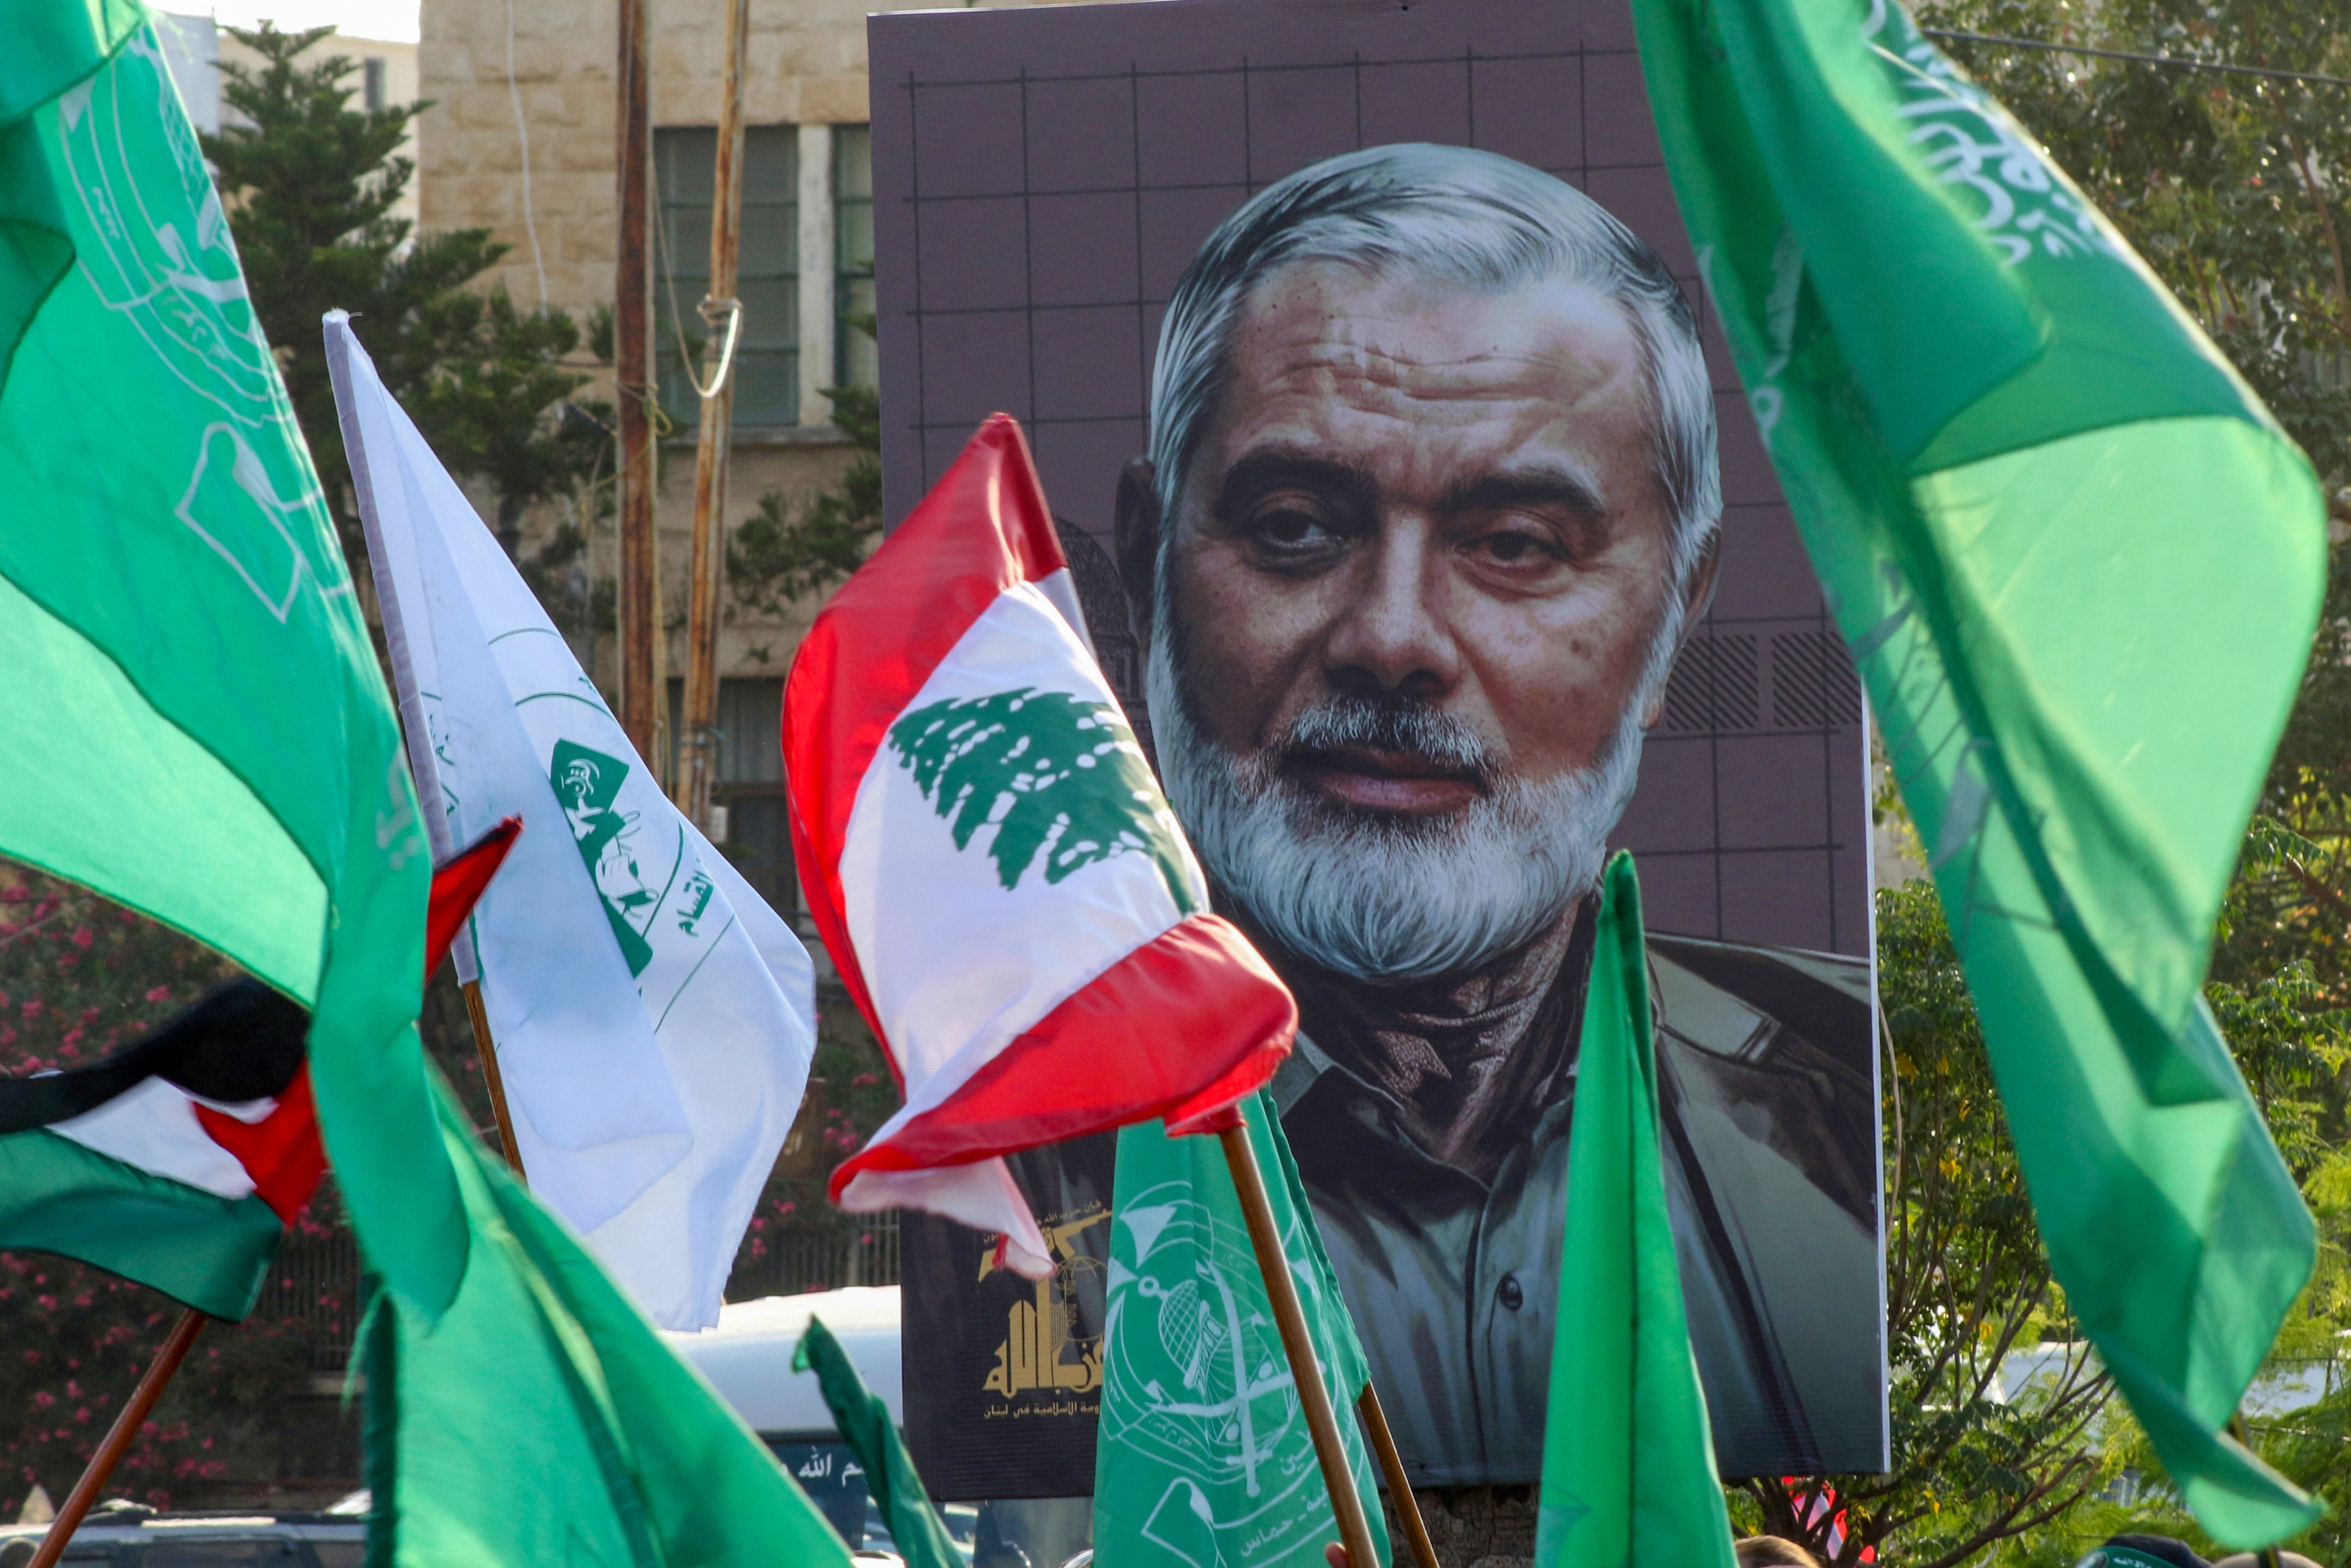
<point x="1511" y="548"/>
<point x="1291" y="529"/>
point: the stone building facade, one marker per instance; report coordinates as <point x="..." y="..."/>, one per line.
<point x="521" y="139"/>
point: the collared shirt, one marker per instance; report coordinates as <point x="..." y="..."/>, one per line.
<point x="1453" y="1282"/>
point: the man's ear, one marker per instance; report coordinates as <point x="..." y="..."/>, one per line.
<point x="1697" y="593"/>
<point x="1134" y="537"/>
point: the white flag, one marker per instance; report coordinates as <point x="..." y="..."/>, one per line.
<point x="653" y="1018"/>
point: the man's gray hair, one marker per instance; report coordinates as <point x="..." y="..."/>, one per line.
<point x="1488" y="221"/>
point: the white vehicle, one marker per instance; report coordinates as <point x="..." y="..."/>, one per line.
<point x="748" y="1360"/>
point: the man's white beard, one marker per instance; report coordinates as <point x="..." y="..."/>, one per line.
<point x="1387" y="896"/>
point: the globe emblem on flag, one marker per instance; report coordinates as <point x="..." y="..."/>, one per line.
<point x="159" y="251"/>
<point x="153" y="243"/>
<point x="1217" y="1402"/>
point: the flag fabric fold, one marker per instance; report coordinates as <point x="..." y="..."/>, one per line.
<point x="2079" y="566"/>
<point x="1203" y="1455"/>
<point x="541" y="1419"/>
<point x="197" y="728"/>
<point x="1628" y="1473"/>
<point x="1002" y="886"/>
<point x="863" y="1421"/>
<point x="654" y="1018"/>
<point x="180" y="1160"/>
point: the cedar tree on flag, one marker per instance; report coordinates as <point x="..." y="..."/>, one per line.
<point x="1003" y="888"/>
<point x="2079" y="565"/>
<point x="179" y="1161"/>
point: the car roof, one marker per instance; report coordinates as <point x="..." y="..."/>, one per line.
<point x="102" y="1528"/>
<point x="747" y="1357"/>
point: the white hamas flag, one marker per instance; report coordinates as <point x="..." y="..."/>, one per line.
<point x="653" y="1017"/>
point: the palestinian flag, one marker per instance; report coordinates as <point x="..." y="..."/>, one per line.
<point x="1002" y="886"/>
<point x="180" y="1160"/>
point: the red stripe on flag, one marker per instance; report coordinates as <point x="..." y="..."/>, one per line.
<point x="983" y="528"/>
<point x="281" y="1151"/>
<point x="458" y="885"/>
<point x="1130" y="1066"/>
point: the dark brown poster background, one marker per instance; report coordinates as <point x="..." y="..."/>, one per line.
<point x="1041" y="177"/>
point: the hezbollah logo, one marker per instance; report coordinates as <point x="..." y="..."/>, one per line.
<point x="1040" y="1353"/>
<point x="1058" y="779"/>
<point x="589" y="785"/>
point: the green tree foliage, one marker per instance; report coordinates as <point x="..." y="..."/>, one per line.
<point x="1966" y="1284"/>
<point x="791" y="550"/>
<point x="310" y="184"/>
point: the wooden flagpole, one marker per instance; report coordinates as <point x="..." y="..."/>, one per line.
<point x="642" y="693"/>
<point x="117" y="1439"/>
<point x="722" y="312"/>
<point x="480" y="1018"/>
<point x="1306" y="1372"/>
<point x="1407" y="1506"/>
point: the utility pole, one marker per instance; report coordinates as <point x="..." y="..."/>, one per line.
<point x="640" y="595"/>
<point x="722" y="312"/>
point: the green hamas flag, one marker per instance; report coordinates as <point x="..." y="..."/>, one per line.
<point x="2079" y="566"/>
<point x="915" y="1528"/>
<point x="195" y="723"/>
<point x="542" y="1420"/>
<point x="1203" y="1455"/>
<point x="1628" y="1464"/>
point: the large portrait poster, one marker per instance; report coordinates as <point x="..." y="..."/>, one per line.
<point x="1430" y="540"/>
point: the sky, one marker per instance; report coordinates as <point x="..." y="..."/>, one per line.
<point x="387" y="19"/>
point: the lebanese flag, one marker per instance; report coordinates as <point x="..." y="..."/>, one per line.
<point x="180" y="1160"/>
<point x="1000" y="883"/>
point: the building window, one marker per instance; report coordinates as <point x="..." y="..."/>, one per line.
<point x="750" y="784"/>
<point x="856" y="359"/>
<point x="768" y="355"/>
<point x="371" y="91"/>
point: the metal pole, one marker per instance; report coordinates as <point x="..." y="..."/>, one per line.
<point x="480" y="1018"/>
<point x="1407" y="1506"/>
<point x="118" y="1438"/>
<point x="1305" y="1371"/>
<point x="2266" y="1556"/>
<point x="640" y="587"/>
<point x="722" y="312"/>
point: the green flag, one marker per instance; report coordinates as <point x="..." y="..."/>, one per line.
<point x="195" y="723"/>
<point x="1628" y="1474"/>
<point x="1203" y="1456"/>
<point x="865" y="1425"/>
<point x="196" y="727"/>
<point x="541" y="1422"/>
<point x="2079" y="566"/>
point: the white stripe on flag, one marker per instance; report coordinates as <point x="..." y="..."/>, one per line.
<point x="947" y="1002"/>
<point x="153" y="1127"/>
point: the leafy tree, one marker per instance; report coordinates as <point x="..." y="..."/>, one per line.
<point x="789" y="550"/>
<point x="310" y="183"/>
<point x="1966" y="1284"/>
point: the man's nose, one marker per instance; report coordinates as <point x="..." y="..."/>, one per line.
<point x="1392" y="637"/>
